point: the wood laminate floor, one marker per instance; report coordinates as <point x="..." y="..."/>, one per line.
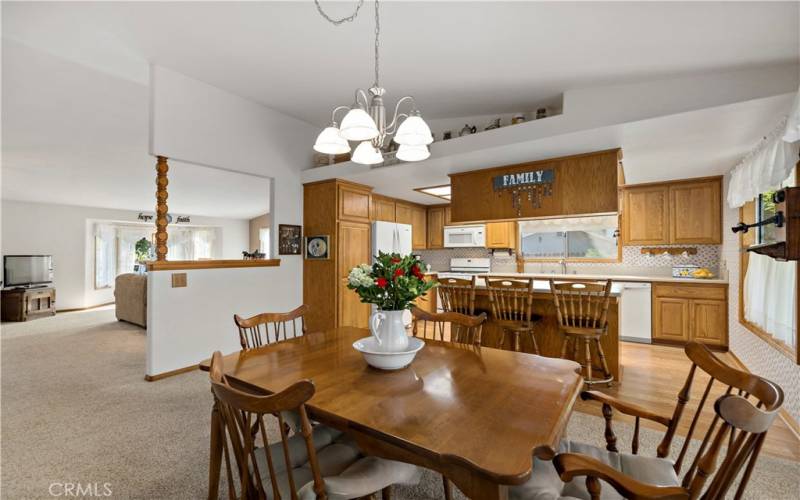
<point x="653" y="375"/>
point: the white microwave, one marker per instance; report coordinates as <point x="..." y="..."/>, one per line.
<point x="464" y="236"/>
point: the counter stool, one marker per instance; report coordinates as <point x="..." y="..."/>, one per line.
<point x="582" y="311"/>
<point x="512" y="304"/>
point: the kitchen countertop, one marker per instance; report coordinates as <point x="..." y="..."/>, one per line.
<point x="615" y="277"/>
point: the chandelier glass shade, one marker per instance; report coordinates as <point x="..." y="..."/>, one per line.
<point x="329" y="142"/>
<point x="357" y="125"/>
<point x="367" y="154"/>
<point x="412" y="153"/>
<point x="366" y="120"/>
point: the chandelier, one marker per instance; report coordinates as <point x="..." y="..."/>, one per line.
<point x="366" y="122"/>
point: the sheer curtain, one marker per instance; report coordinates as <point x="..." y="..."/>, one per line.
<point x="770" y="296"/>
<point x="191" y="243"/>
<point x="128" y="236"/>
<point x="105" y="246"/>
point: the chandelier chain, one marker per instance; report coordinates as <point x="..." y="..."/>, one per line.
<point x="377" y="44"/>
<point x="337" y="22"/>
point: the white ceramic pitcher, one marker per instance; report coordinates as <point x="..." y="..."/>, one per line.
<point x="389" y="332"/>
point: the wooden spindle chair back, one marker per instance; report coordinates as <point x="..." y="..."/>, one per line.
<point x="457" y="295"/>
<point x="582" y="306"/>
<point x="511" y="298"/>
<point x="742" y="416"/>
<point x="268" y="328"/>
<point x="235" y="415"/>
<point x="463" y="329"/>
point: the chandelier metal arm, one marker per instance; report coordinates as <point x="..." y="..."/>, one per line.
<point x="337" y="108"/>
<point x="363" y="94"/>
<point x="391" y="125"/>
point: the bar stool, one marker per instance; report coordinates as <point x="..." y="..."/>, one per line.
<point x="457" y="295"/>
<point x="512" y="304"/>
<point x="582" y="310"/>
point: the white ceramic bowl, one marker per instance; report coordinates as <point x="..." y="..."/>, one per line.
<point x="368" y="347"/>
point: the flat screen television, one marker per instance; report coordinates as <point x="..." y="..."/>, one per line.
<point x="27" y="270"/>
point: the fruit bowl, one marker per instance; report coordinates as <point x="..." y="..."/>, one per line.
<point x="368" y="347"/>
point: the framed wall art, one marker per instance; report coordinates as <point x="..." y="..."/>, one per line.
<point x="289" y="239"/>
<point x="317" y="247"/>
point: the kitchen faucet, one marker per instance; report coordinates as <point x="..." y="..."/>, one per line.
<point x="563" y="264"/>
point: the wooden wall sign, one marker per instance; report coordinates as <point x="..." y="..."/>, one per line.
<point x="575" y="185"/>
<point x="532" y="184"/>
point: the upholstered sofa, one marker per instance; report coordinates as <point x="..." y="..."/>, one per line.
<point x="130" y="296"/>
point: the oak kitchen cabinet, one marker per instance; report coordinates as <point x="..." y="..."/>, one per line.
<point x="416" y="216"/>
<point x="501" y="235"/>
<point x="341" y="210"/>
<point x="683" y="212"/>
<point x="685" y="312"/>
<point x="354" y="249"/>
<point x="436" y="222"/>
<point x="383" y="209"/>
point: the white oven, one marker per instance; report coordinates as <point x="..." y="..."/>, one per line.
<point x="464" y="236"/>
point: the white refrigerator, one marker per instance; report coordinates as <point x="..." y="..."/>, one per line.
<point x="391" y="237"/>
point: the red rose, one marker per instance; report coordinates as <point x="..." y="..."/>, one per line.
<point x="395" y="260"/>
<point x="416" y="272"/>
<point x="398" y="273"/>
<point x="381" y="282"/>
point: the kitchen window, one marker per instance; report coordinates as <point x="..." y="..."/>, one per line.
<point x="574" y="239"/>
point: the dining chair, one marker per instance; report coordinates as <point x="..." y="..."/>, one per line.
<point x="512" y="308"/>
<point x="735" y="435"/>
<point x="582" y="314"/>
<point x="267" y="328"/>
<point x="463" y="329"/>
<point x="318" y="462"/>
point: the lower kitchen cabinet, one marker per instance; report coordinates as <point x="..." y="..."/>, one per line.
<point x="671" y="319"/>
<point x="709" y="321"/>
<point x="686" y="312"/>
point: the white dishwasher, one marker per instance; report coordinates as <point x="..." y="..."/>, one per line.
<point x="635" y="322"/>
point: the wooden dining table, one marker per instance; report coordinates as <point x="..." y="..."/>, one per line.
<point x="475" y="414"/>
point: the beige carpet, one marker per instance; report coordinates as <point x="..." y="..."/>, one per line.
<point x="75" y="409"/>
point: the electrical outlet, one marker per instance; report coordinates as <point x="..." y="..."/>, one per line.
<point x="178" y="280"/>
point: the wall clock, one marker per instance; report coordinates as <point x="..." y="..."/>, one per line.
<point x="317" y="247"/>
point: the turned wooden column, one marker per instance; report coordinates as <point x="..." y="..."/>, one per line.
<point x="161" y="208"/>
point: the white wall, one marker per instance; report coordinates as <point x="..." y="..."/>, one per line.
<point x="186" y="325"/>
<point x="198" y="123"/>
<point x="65" y="232"/>
<point x="759" y="357"/>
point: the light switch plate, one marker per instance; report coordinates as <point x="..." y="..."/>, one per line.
<point x="178" y="280"/>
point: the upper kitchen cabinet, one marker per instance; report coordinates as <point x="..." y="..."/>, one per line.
<point x="565" y="186"/>
<point x="645" y="216"/>
<point x="436" y="223"/>
<point x="354" y="202"/>
<point x="383" y="209"/>
<point x="416" y="216"/>
<point x="696" y="212"/>
<point x="683" y="212"/>
<point x="501" y="234"/>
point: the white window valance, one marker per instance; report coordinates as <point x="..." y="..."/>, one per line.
<point x="591" y="223"/>
<point x="770" y="163"/>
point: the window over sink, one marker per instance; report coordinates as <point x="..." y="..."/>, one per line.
<point x="592" y="238"/>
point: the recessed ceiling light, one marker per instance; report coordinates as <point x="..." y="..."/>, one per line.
<point x="442" y="192"/>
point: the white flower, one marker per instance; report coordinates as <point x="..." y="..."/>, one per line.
<point x="359" y="276"/>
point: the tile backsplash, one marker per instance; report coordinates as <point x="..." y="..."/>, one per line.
<point x="633" y="261"/>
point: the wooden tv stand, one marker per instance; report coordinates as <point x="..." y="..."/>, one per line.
<point x="19" y="304"/>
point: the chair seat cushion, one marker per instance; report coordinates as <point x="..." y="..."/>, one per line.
<point x="544" y="483"/>
<point x="346" y="472"/>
